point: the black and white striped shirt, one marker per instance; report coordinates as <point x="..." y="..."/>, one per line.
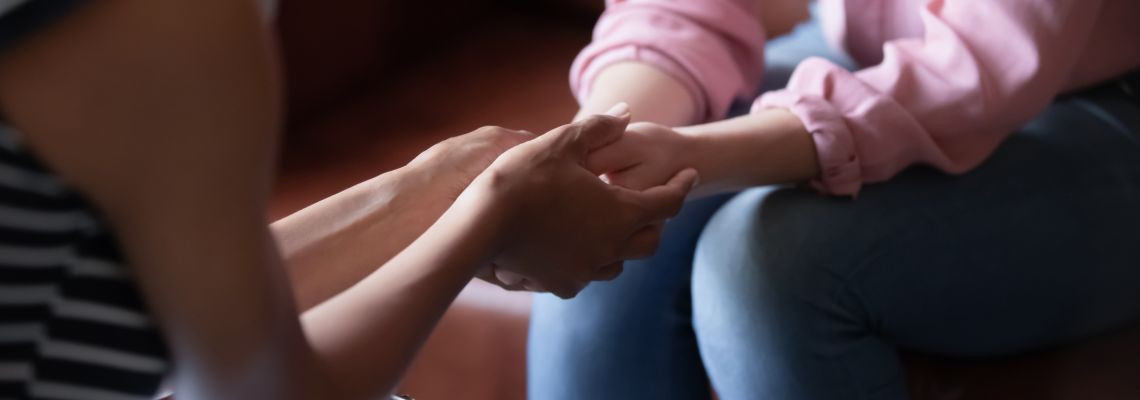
<point x="72" y="323"/>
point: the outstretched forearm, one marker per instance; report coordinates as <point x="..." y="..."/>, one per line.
<point x="367" y="335"/>
<point x="332" y="244"/>
<point x="768" y="147"/>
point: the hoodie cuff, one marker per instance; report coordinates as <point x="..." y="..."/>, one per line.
<point x="840" y="171"/>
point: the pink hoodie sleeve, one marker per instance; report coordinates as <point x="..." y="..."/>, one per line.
<point x="715" y="48"/>
<point x="947" y="99"/>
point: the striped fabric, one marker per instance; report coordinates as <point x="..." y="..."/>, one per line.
<point x="20" y="18"/>
<point x="72" y="324"/>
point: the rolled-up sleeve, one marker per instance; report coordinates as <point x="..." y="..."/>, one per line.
<point x="715" y="48"/>
<point x="946" y="99"/>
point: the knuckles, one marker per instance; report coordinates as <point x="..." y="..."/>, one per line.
<point x="491" y="130"/>
<point x="501" y="137"/>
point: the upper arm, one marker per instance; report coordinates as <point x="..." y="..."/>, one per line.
<point x="165" y="115"/>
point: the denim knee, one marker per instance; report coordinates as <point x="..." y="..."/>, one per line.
<point x="775" y="242"/>
<point x="774" y="260"/>
<point x="774" y="314"/>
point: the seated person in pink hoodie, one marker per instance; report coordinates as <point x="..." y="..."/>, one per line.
<point x="971" y="188"/>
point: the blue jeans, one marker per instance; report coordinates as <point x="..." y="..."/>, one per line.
<point x="802" y="296"/>
<point x="633" y="338"/>
<point x="630" y="338"/>
<point x="795" y="295"/>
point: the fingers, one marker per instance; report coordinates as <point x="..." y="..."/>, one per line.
<point x="643" y="243"/>
<point x="488" y="275"/>
<point x="594" y="132"/>
<point x="609" y="272"/>
<point x="566" y="290"/>
<point x="661" y="202"/>
<point x="499" y="137"/>
<point x="512" y="281"/>
<point x="615" y="157"/>
<point x="495" y="137"/>
<point x="638" y="177"/>
<point x="508" y="277"/>
<point x="620" y="110"/>
<point x="510" y="138"/>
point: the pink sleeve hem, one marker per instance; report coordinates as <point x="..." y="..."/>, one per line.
<point x="714" y="47"/>
<point x="840" y="172"/>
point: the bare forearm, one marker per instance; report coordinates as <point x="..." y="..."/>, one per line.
<point x="653" y="95"/>
<point x="765" y="148"/>
<point x="369" y="334"/>
<point x="333" y="244"/>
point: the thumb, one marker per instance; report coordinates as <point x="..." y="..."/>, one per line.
<point x="661" y="202"/>
<point x="599" y="130"/>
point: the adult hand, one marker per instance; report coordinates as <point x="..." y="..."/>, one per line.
<point x="564" y="226"/>
<point x="333" y="244"/>
<point x="432" y="181"/>
<point x="645" y="156"/>
<point x="449" y="166"/>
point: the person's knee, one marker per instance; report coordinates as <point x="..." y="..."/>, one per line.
<point x="730" y="247"/>
<point x="770" y="248"/>
<point x="769" y="290"/>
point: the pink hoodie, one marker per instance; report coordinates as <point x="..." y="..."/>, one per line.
<point x="945" y="81"/>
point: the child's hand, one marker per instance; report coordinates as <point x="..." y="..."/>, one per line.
<point x="564" y="226"/>
<point x="646" y="155"/>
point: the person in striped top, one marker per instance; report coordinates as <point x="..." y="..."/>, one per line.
<point x="136" y="158"/>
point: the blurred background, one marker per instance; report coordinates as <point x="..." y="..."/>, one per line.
<point x="372" y="83"/>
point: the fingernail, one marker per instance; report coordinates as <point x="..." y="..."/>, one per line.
<point x="620" y="109"/>
<point x="508" y="277"/>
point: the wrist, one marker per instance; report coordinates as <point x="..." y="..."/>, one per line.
<point x="414" y="192"/>
<point x="768" y="147"/>
<point x="485" y="211"/>
<point x="700" y="151"/>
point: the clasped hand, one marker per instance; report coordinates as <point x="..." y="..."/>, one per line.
<point x="565" y="226"/>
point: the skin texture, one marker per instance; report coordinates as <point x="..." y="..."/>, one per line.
<point x="538" y="237"/>
<point x="169" y="127"/>
<point x="753" y="150"/>
<point x="341" y="239"/>
<point x="759" y="149"/>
